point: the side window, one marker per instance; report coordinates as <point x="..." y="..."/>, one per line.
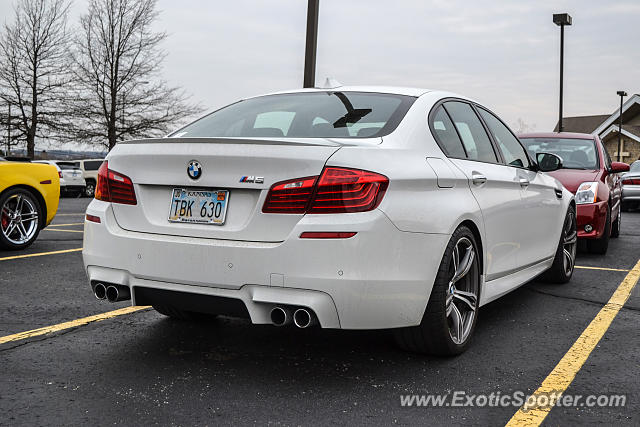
<point x="512" y="150"/>
<point x="446" y="134"/>
<point x="92" y="165"/>
<point x="475" y="139"/>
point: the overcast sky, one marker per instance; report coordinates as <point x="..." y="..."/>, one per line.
<point x="502" y="53"/>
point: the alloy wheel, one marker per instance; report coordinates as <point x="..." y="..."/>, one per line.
<point x="19" y="219"/>
<point x="569" y="243"/>
<point x="462" y="293"/>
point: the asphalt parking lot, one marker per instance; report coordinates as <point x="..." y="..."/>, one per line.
<point x="142" y="368"/>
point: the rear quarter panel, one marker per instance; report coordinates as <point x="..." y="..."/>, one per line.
<point x="31" y="175"/>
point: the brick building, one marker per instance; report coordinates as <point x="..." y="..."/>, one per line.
<point x="606" y="126"/>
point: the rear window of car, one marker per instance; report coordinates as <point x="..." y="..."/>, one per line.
<point x="92" y="165"/>
<point x="635" y="166"/>
<point x="575" y="153"/>
<point x="67" y="165"/>
<point x="305" y="115"/>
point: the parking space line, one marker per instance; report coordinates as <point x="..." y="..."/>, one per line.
<point x="566" y="370"/>
<point x="600" y="268"/>
<point x="7" y="258"/>
<point x="71" y="214"/>
<point x="71" y="324"/>
<point x="62" y="229"/>
<point x="61" y="225"/>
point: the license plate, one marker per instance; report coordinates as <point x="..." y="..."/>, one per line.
<point x="198" y="206"/>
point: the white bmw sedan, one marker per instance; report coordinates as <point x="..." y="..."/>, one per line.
<point x="350" y="208"/>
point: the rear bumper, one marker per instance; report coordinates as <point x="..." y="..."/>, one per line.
<point x="380" y="278"/>
<point x="593" y="214"/>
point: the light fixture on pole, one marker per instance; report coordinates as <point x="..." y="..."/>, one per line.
<point x="621" y="94"/>
<point x="561" y="19"/>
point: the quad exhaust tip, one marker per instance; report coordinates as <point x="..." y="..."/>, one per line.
<point x="281" y="316"/>
<point x="117" y="293"/>
<point x="303" y="318"/>
<point x="100" y="291"/>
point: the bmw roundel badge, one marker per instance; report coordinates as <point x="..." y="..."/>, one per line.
<point x="194" y="170"/>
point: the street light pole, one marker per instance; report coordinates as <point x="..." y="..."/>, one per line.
<point x="311" y="44"/>
<point x="561" y="19"/>
<point x="621" y="94"/>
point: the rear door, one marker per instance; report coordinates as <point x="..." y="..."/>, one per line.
<point x="539" y="214"/>
<point x="494" y="186"/>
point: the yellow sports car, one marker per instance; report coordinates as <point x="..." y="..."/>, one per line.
<point x="29" y="196"/>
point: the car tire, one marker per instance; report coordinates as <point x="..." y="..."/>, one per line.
<point x="565" y="259"/>
<point x="14" y="236"/>
<point x="90" y="189"/>
<point x="615" y="227"/>
<point x="439" y="333"/>
<point x="599" y="246"/>
<point x="176" y="313"/>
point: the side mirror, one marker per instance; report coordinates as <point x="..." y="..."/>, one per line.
<point x="617" y="167"/>
<point x="548" y="162"/>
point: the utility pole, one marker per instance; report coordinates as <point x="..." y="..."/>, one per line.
<point x="312" y="44"/>
<point x="621" y="94"/>
<point x="561" y="19"/>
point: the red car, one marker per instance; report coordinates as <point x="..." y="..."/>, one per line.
<point x="588" y="172"/>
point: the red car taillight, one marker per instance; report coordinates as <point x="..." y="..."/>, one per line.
<point x="60" y="174"/>
<point x="290" y="196"/>
<point x="631" y="181"/>
<point x="338" y="190"/>
<point x="114" y="187"/>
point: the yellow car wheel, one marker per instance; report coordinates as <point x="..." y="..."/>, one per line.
<point x="20" y="219"/>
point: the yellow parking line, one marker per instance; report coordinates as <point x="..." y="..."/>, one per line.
<point x="71" y="324"/>
<point x="565" y="371"/>
<point x="61" y="225"/>
<point x="62" y="229"/>
<point x="600" y="268"/>
<point x="7" y="258"/>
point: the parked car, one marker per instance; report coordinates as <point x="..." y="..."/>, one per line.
<point x="89" y="168"/>
<point x="631" y="187"/>
<point x="71" y="181"/>
<point x="29" y="195"/>
<point x="588" y="172"/>
<point x="351" y="208"/>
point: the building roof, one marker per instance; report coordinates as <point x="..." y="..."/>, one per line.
<point x="582" y="124"/>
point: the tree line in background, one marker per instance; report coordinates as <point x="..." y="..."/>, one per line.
<point x="97" y="82"/>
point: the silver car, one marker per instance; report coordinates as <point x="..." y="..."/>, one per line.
<point x="631" y="187"/>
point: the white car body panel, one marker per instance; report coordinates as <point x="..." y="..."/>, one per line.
<point x="380" y="278"/>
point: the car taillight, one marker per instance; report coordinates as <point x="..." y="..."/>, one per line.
<point x="631" y="181"/>
<point x="348" y="190"/>
<point x="290" y="196"/>
<point x="114" y="187"/>
<point x="60" y="174"/>
<point x="338" y="190"/>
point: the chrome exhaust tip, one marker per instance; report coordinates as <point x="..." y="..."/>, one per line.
<point x="280" y="316"/>
<point x="303" y="318"/>
<point x="117" y="293"/>
<point x="100" y="291"/>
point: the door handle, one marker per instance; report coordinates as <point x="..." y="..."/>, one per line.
<point x="477" y="178"/>
<point x="524" y="182"/>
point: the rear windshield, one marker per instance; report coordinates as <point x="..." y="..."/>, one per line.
<point x="575" y="153"/>
<point x="305" y="115"/>
<point x="67" y="165"/>
<point x="635" y="166"/>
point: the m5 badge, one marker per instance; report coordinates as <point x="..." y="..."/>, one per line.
<point x="252" y="179"/>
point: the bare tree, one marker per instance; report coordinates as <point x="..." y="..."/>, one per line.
<point x="33" y="68"/>
<point x="117" y="61"/>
